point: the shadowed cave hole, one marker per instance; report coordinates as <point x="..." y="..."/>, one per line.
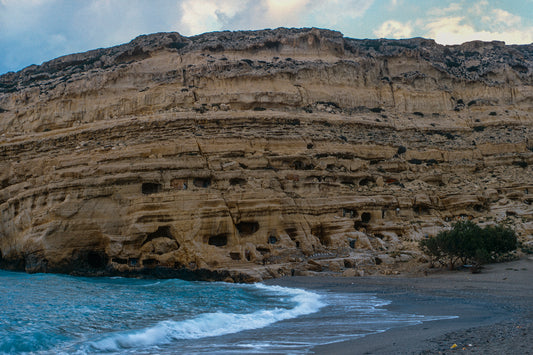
<point x="366" y="217"/>
<point x="161" y="232"/>
<point x="134" y="262"/>
<point x="150" y="262"/>
<point x="150" y="188"/>
<point x="237" y="181"/>
<point x="479" y="208"/>
<point x="272" y="239"/>
<point x="235" y="256"/>
<point x="247" y="228"/>
<point x="97" y="259"/>
<point x="263" y="250"/>
<point x="218" y="240"/>
<point x="347" y="212"/>
<point x="366" y="181"/>
<point x="421" y="210"/>
<point x="202" y="182"/>
<point x="119" y="261"/>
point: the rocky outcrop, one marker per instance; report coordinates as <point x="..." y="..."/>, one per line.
<point x="240" y="156"/>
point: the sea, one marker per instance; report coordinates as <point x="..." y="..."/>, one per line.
<point x="61" y="314"/>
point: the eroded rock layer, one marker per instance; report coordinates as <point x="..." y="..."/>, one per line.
<point x="247" y="155"/>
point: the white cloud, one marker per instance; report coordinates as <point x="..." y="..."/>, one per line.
<point x="202" y="16"/>
<point x="454" y="30"/>
<point x="461" y="22"/>
<point x="394" y="29"/>
<point x="453" y="7"/>
<point x="502" y="17"/>
<point x="211" y="15"/>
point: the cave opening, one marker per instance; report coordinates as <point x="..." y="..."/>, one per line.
<point x="421" y="210"/>
<point x="133" y="262"/>
<point x="148" y="188"/>
<point x="237" y="181"/>
<point x="202" y="182"/>
<point x="366" y="217"/>
<point x="235" y="255"/>
<point x="272" y="239"/>
<point x="347" y="212"/>
<point x="247" y="228"/>
<point x="150" y="263"/>
<point x="161" y="232"/>
<point x="366" y="181"/>
<point x="119" y="261"/>
<point x="218" y="240"/>
<point x="97" y="259"/>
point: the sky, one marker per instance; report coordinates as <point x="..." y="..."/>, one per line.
<point x="34" y="31"/>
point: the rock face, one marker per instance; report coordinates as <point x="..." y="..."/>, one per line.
<point x="248" y="155"/>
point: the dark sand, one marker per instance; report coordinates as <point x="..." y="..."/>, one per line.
<point x="495" y="310"/>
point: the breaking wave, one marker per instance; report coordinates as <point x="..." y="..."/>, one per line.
<point x="301" y="302"/>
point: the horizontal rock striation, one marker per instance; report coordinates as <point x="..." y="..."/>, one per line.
<point x="240" y="156"/>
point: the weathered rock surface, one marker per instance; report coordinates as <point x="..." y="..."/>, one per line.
<point x="239" y="156"/>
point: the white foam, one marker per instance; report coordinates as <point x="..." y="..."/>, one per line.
<point x="213" y="324"/>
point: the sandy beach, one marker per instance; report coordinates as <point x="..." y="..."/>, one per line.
<point x="494" y="309"/>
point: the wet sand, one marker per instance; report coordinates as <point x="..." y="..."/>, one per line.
<point x="494" y="309"/>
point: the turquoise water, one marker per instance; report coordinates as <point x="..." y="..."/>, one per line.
<point x="54" y="314"/>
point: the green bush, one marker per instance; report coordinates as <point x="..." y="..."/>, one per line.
<point x="467" y="242"/>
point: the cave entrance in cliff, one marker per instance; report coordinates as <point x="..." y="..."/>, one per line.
<point x="161" y="232"/>
<point x="148" y="188"/>
<point x="97" y="259"/>
<point x="218" y="240"/>
<point x="247" y="228"/>
<point x="150" y="263"/>
<point x="366" y="217"/>
<point x="237" y="181"/>
<point x="347" y="212"/>
<point x="421" y="210"/>
<point x="366" y="181"/>
<point x="201" y="182"/>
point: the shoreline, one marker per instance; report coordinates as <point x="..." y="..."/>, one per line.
<point x="495" y="310"/>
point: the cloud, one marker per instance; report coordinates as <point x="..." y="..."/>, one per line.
<point x="212" y="15"/>
<point x="461" y="22"/>
<point x="453" y="7"/>
<point x="464" y="23"/>
<point x="454" y="30"/>
<point x="394" y="29"/>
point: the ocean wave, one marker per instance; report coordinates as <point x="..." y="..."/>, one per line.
<point x="213" y="324"/>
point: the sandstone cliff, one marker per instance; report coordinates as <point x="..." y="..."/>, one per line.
<point x="248" y="155"/>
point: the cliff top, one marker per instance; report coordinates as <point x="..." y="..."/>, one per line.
<point x="471" y="60"/>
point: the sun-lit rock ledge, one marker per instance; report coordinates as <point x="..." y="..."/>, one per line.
<point x="240" y="156"/>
